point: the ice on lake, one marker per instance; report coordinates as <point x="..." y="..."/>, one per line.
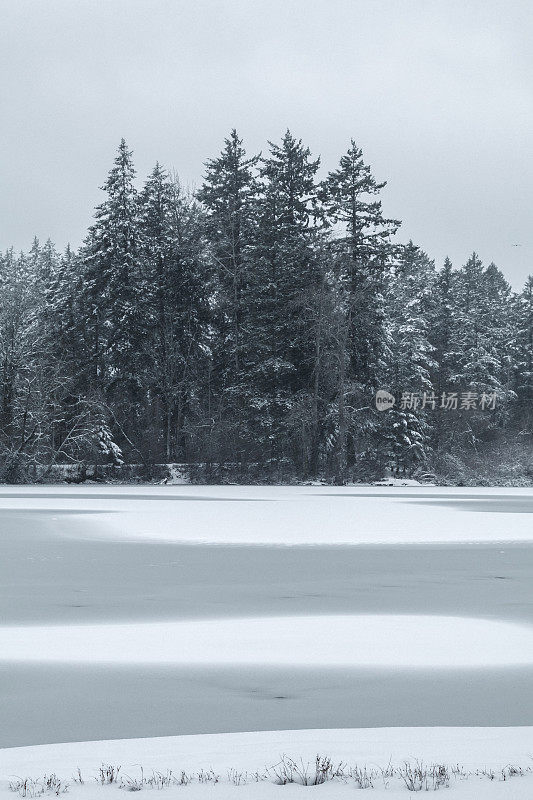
<point x="146" y="611"/>
<point x="360" y="640"/>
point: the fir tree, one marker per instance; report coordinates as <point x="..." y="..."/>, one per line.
<point x="523" y="344"/>
<point x="115" y="291"/>
<point x="410" y="357"/>
<point x="246" y="330"/>
<point x="176" y="307"/>
<point x="229" y="194"/>
<point x="363" y="251"/>
<point x="282" y="353"/>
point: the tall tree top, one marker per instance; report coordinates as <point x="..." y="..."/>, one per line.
<point x="289" y="172"/>
<point x="348" y="194"/>
<point x="229" y="181"/>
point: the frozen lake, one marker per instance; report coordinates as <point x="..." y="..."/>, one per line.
<point x="373" y="561"/>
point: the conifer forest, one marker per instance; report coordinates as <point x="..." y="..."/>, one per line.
<point x="243" y="330"/>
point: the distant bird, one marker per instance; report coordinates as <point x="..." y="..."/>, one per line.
<point x="517" y="245"/>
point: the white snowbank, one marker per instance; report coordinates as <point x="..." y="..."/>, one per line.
<point x="473" y="748"/>
<point x="339" y="640"/>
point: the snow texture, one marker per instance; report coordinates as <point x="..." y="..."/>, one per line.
<point x="285" y="515"/>
<point x="472" y="748"/>
<point x="391" y="640"/>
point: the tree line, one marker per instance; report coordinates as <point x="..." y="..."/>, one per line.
<point x="245" y="328"/>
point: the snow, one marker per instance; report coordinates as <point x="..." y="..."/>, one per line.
<point x="472" y="748"/>
<point x="318" y="606"/>
<point x="282" y="515"/>
<point x="361" y="640"/>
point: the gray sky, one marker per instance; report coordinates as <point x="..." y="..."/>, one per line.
<point x="438" y="93"/>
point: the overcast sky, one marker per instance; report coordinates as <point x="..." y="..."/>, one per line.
<point x="438" y="93"/>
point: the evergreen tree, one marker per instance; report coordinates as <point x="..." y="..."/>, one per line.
<point x="114" y="291"/>
<point x="246" y="330"/>
<point x="523" y="347"/>
<point x="348" y="194"/>
<point x="229" y="195"/>
<point x="176" y="307"/>
<point x="286" y="268"/>
<point x="478" y="345"/>
<point x="443" y="324"/>
<point x="363" y="252"/>
<point x="410" y="357"/>
<point x="473" y="366"/>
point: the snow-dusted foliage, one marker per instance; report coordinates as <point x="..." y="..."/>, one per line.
<point x="245" y="331"/>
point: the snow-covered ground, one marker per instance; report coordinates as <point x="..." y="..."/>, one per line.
<point x="473" y="748"/>
<point x="154" y="611"/>
<point x="480" y="762"/>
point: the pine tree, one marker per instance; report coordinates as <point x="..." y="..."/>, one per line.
<point x="410" y="357"/>
<point x="498" y="325"/>
<point x="347" y="193"/>
<point x="363" y="252"/>
<point x="443" y="324"/>
<point x="176" y="304"/>
<point x="478" y="346"/>
<point x="20" y="427"/>
<point x="523" y="348"/>
<point x="114" y="290"/>
<point x="229" y="195"/>
<point x="247" y="328"/>
<point x="282" y="349"/>
<point x="473" y="367"/>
